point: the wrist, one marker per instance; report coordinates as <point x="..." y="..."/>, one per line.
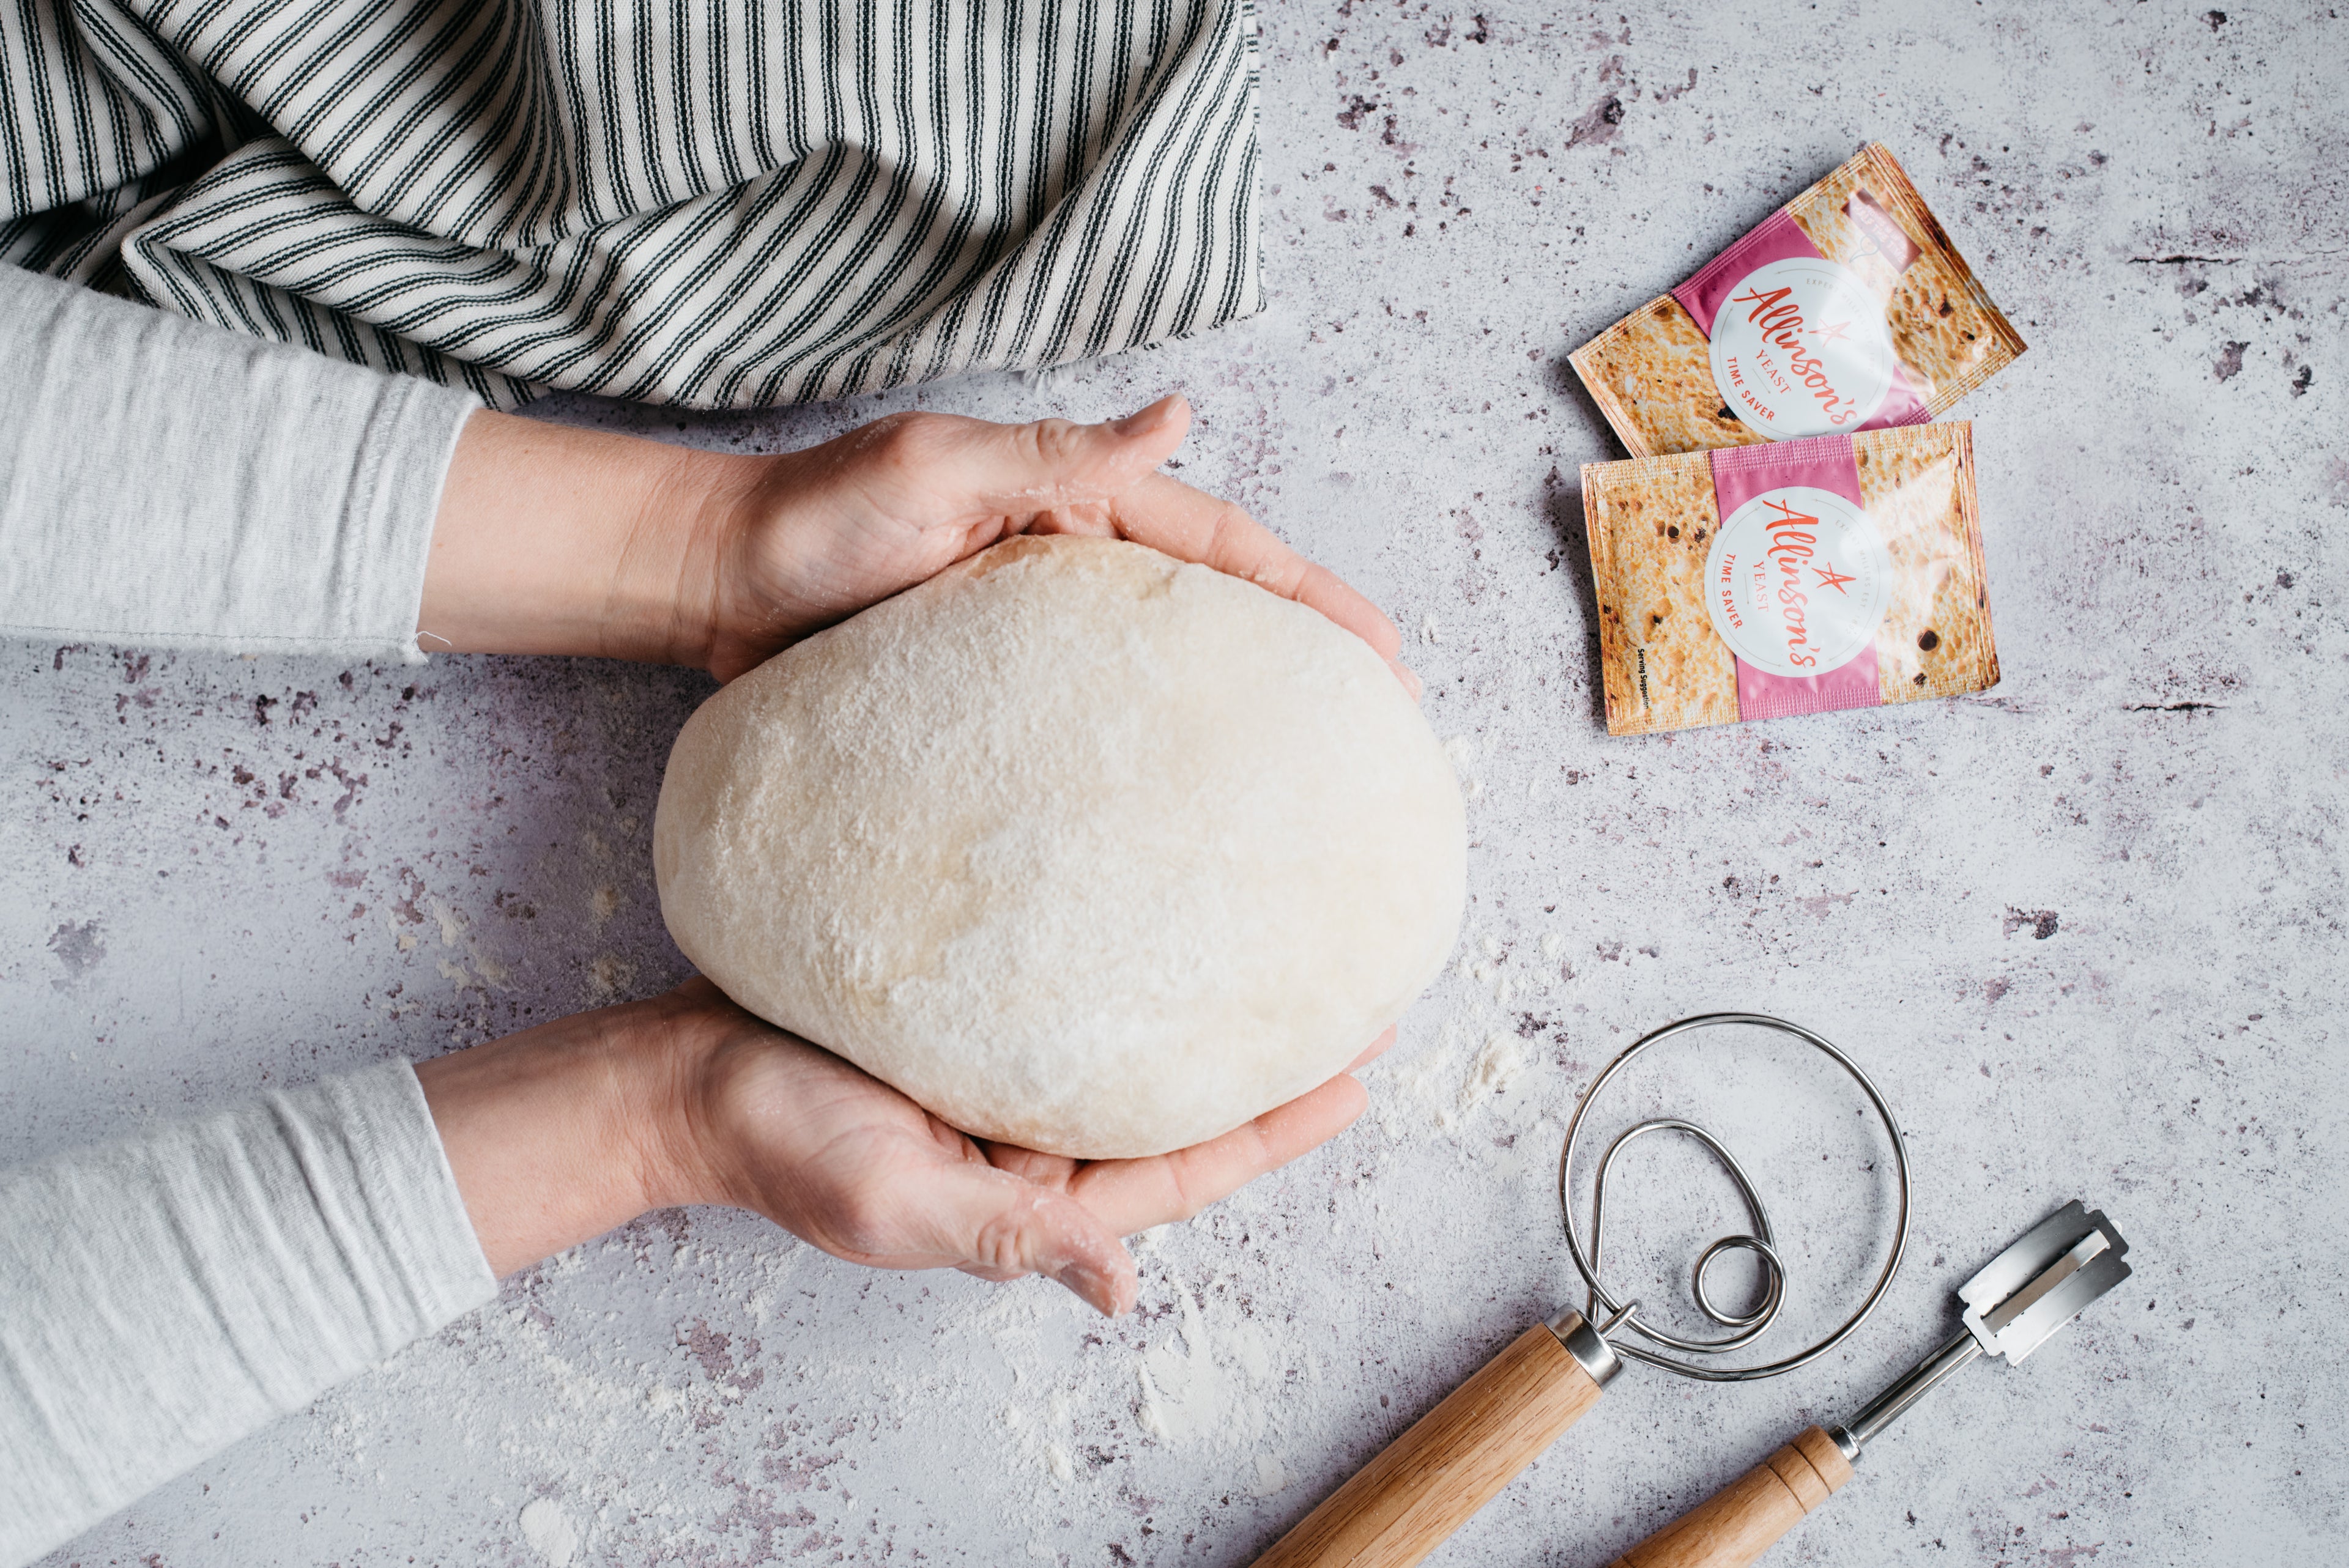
<point x="550" y="540"/>
<point x="563" y="1131"/>
<point x="663" y="1129"/>
<point x="663" y="582"/>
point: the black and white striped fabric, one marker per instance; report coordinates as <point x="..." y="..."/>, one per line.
<point x="715" y="203"/>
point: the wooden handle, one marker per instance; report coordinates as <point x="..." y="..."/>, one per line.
<point x="1745" y="1519"/>
<point x="1454" y="1460"/>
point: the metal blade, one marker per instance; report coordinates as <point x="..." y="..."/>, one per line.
<point x="2041" y="1282"/>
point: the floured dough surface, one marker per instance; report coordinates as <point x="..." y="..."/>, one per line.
<point x="1083" y="849"/>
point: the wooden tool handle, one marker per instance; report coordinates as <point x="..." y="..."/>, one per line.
<point x="1452" y="1462"/>
<point x="1745" y="1519"/>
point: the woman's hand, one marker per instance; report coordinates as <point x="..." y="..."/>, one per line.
<point x="560" y="1133"/>
<point x="552" y="540"/>
<point x="557" y="541"/>
<point x="812" y="537"/>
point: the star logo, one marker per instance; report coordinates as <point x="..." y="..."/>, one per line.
<point x="1835" y="334"/>
<point x="1830" y="578"/>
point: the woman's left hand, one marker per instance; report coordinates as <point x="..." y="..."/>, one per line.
<point x="812" y="537"/>
<point x="552" y="540"/>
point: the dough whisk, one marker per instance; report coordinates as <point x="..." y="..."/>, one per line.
<point x="1426" y="1483"/>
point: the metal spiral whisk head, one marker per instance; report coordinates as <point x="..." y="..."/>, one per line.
<point x="1612" y="1316"/>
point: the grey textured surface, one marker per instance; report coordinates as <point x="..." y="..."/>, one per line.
<point x="2084" y="930"/>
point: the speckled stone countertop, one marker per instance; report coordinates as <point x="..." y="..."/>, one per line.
<point x="2084" y="928"/>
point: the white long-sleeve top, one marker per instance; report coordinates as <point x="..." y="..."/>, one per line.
<point x="164" y="484"/>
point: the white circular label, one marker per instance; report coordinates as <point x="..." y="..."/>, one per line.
<point x="1797" y="581"/>
<point x="1800" y="348"/>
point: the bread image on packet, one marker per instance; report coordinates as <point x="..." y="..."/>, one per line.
<point x="1805" y="577"/>
<point x="1847" y="309"/>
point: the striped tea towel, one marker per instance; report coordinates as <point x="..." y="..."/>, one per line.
<point x="716" y="203"/>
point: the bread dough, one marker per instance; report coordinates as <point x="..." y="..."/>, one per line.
<point x="1081" y="848"/>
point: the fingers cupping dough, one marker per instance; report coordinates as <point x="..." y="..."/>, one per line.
<point x="1344" y="603"/>
<point x="1022" y="470"/>
<point x="988" y="1222"/>
<point x="1001" y="1227"/>
<point x="1171" y="517"/>
<point x="1131" y="1195"/>
<point x="1372" y="1051"/>
<point x="1058" y="477"/>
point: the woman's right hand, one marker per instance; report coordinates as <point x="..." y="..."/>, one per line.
<point x="840" y="1159"/>
<point x="560" y="1133"/>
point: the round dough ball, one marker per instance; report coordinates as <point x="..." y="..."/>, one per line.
<point x="1081" y="848"/>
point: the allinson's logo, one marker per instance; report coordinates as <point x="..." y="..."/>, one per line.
<point x="1797" y="581"/>
<point x="1792" y="536"/>
<point x="1775" y="315"/>
<point x="1800" y="348"/>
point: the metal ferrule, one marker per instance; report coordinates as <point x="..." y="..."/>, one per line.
<point x="1586" y="1345"/>
<point x="1958" y="1350"/>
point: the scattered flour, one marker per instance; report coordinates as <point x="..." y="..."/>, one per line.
<point x="1016" y="1394"/>
<point x="1443" y="1085"/>
<point x="609" y="975"/>
<point x="1461" y="750"/>
<point x="452" y="921"/>
<point x="1497" y="1068"/>
<point x="1187" y="1394"/>
<point x="1217" y="1389"/>
<point x="403" y="940"/>
<point x="549" y="1531"/>
<point x="1421" y="1089"/>
<point x="1271" y="1476"/>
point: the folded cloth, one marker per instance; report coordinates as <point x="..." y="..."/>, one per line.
<point x="725" y="204"/>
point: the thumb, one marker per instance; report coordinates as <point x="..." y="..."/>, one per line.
<point x="1001" y="1227"/>
<point x="1055" y="462"/>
